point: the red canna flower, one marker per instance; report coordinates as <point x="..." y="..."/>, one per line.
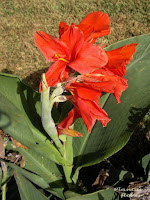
<point x="94" y="25"/>
<point x="70" y="54"/>
<point x="99" y="71"/>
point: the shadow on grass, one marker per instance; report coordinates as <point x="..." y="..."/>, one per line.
<point x="7" y="71"/>
<point x="34" y="78"/>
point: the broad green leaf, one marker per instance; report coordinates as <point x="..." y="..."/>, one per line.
<point x="19" y="117"/>
<point x="27" y="190"/>
<point x="39" y="181"/>
<point x="99" y="195"/>
<point x="145" y="163"/>
<point x="31" y="176"/>
<point x="41" y="168"/>
<point x="135" y="102"/>
<point x="44" y="168"/>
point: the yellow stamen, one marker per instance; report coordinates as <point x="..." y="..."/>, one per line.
<point x="63" y="60"/>
<point x="57" y="57"/>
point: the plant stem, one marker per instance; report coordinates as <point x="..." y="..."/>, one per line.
<point x="71" y="186"/>
<point x="68" y="155"/>
<point x="47" y="121"/>
<point x="4" y="169"/>
<point x="67" y="171"/>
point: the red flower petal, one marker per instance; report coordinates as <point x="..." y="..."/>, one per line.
<point x="97" y="112"/>
<point x="50" y="46"/>
<point x="73" y="38"/>
<point x="67" y="121"/>
<point x="63" y="127"/>
<point x="94" y="25"/>
<point x="89" y="59"/>
<point x="107" y="86"/>
<point x="119" y="58"/>
<point x="91" y="83"/>
<point x="85" y="113"/>
<point x="83" y="91"/>
<point x="87" y="30"/>
<point x="63" y="26"/>
<point x="85" y="102"/>
<point x="54" y="74"/>
<point x="64" y="75"/>
<point x="90" y="111"/>
<point x="120" y="83"/>
<point x="99" y="21"/>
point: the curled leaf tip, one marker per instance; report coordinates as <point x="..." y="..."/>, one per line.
<point x="44" y="82"/>
<point x="71" y="132"/>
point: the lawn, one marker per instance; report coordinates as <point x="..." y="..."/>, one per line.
<point x="21" y="19"/>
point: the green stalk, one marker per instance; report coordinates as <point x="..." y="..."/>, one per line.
<point x="47" y="121"/>
<point x="68" y="155"/>
<point x="4" y="186"/>
<point x="67" y="171"/>
<point x="65" y="149"/>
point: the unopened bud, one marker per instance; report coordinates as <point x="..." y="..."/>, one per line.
<point x="58" y="91"/>
<point x="60" y="98"/>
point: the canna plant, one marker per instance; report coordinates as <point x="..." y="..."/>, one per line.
<point x="73" y="121"/>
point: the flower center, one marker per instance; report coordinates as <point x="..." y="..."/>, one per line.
<point x="62" y="59"/>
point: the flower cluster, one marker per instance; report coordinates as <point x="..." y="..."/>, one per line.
<point x="85" y="70"/>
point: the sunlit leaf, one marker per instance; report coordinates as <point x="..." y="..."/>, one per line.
<point x="19" y="117"/>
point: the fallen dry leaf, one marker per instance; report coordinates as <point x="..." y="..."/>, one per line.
<point x="2" y="149"/>
<point x="99" y="182"/>
<point x="18" y="144"/>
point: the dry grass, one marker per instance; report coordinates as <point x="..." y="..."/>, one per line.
<point x="21" y="19"/>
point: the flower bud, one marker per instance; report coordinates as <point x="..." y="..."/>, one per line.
<point x="60" y="98"/>
<point x="58" y="91"/>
